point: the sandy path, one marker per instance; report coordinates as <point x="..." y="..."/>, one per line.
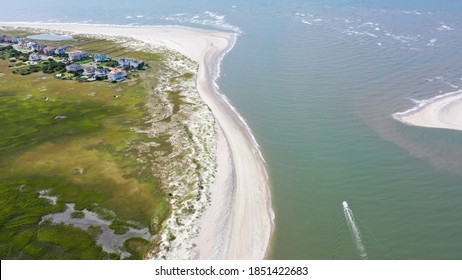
<point x="238" y="224"/>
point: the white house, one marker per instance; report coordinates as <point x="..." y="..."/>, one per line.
<point x="33" y="46"/>
<point x="74" y="68"/>
<point x="127" y="63"/>
<point x="35" y="58"/>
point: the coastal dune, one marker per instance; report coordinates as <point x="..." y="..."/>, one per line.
<point x="238" y="223"/>
<point x="440" y="112"/>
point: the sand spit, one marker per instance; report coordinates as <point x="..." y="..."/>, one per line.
<point x="443" y="111"/>
<point x="238" y="222"/>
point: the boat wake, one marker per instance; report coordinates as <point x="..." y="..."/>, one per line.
<point x="354" y="230"/>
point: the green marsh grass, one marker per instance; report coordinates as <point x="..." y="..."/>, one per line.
<point x="76" y="140"/>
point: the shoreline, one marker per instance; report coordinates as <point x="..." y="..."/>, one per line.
<point x="442" y="111"/>
<point x="242" y="227"/>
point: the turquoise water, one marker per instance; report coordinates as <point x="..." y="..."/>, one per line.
<point x="318" y="83"/>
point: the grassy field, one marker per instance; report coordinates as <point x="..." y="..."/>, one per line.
<point x="76" y="140"/>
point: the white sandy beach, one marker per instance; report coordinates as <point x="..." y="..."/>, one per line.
<point x="440" y="112"/>
<point x="238" y="224"/>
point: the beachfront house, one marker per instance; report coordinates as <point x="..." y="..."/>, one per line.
<point x="49" y="50"/>
<point x="23" y="42"/>
<point x="74" y="68"/>
<point x="89" y="71"/>
<point x="117" y="75"/>
<point x="101" y="73"/>
<point x="77" y="55"/>
<point x="33" y="46"/>
<point x="61" y="51"/>
<point x="128" y="63"/>
<point x="100" y="58"/>
<point x="12" y="40"/>
<point x="35" y="58"/>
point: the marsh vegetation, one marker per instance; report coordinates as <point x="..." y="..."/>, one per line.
<point x="85" y="144"/>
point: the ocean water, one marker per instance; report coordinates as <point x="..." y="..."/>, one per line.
<point x="318" y="82"/>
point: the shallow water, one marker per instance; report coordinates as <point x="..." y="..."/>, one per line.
<point x="107" y="239"/>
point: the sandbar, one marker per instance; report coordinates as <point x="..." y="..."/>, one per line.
<point x="444" y="111"/>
